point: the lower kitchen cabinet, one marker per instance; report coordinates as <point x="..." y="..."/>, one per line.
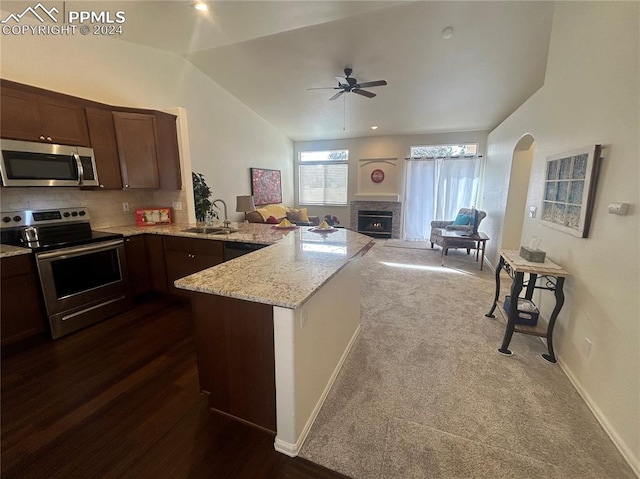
<point x="22" y="314"/>
<point x="185" y="256"/>
<point x="136" y="250"/>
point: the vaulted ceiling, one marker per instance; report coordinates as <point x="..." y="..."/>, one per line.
<point x="267" y="54"/>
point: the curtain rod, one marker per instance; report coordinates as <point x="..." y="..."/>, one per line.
<point x="418" y="158"/>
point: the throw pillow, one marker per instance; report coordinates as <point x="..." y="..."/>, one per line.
<point x="298" y="215"/>
<point x="462" y="220"/>
<point x="272" y="220"/>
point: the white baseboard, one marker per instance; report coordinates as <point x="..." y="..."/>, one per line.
<point x="291" y="449"/>
<point x="633" y="461"/>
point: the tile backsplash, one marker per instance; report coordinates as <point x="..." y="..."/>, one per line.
<point x="105" y="206"/>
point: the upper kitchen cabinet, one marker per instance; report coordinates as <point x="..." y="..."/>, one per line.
<point x="167" y="152"/>
<point x="30" y="115"/>
<point x="105" y="147"/>
<point x="135" y="135"/>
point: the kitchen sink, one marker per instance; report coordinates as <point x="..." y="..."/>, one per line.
<point x="213" y="230"/>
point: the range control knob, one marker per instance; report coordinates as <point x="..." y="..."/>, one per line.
<point x="6" y="219"/>
<point x="66" y="214"/>
<point x="17" y="218"/>
<point x="74" y="213"/>
<point x="82" y="213"/>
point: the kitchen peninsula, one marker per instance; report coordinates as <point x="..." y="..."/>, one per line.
<point x="273" y="327"/>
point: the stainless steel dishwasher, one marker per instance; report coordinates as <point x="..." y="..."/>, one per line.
<point x="233" y="249"/>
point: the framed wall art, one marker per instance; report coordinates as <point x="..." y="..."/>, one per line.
<point x="266" y="186"/>
<point x="569" y="190"/>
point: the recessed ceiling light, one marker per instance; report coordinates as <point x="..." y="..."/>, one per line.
<point x="201" y="7"/>
<point x="447" y="33"/>
<point x="374" y="127"/>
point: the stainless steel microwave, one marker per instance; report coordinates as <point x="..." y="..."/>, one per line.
<point x="26" y="163"/>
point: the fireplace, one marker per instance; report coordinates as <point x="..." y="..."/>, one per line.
<point x="377" y="224"/>
<point x="379" y="219"/>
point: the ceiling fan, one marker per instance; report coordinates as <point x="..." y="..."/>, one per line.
<point x="348" y="84"/>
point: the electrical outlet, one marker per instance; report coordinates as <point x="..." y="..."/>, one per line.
<point x="177" y="205"/>
<point x="586" y="347"/>
<point x="125" y="206"/>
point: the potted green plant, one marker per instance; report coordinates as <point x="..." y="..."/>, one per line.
<point x="201" y="195"/>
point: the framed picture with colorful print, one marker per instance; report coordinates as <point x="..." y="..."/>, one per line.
<point x="266" y="186"/>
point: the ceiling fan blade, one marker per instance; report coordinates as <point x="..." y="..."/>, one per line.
<point x="325" y="88"/>
<point x="369" y="84"/>
<point x="368" y="94"/>
<point x="336" y="95"/>
<point x="342" y="81"/>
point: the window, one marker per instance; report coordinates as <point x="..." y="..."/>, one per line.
<point x="323" y="177"/>
<point x="444" y="151"/>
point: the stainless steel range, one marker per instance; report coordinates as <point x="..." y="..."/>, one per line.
<point x="83" y="273"/>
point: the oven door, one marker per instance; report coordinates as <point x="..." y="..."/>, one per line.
<point x="84" y="284"/>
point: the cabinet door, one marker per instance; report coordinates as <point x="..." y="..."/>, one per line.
<point x="63" y="121"/>
<point x="135" y="135"/>
<point x="105" y="148"/>
<point x="185" y="256"/>
<point x="167" y="151"/>
<point x="21" y="314"/>
<point x="136" y="251"/>
<point x="156" y="263"/>
<point x="19" y="115"/>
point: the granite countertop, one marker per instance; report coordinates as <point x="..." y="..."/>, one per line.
<point x="247" y="233"/>
<point x="285" y="274"/>
<point x="8" y="250"/>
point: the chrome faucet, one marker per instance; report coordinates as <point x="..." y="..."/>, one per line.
<point x="226" y="223"/>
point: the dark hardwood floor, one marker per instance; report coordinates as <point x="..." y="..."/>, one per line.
<point x="121" y="400"/>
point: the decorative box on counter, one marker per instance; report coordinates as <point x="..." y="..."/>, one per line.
<point x="527" y="311"/>
<point x="153" y="216"/>
<point x="533" y="255"/>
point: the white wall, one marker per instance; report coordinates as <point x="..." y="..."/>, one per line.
<point x="397" y="146"/>
<point x="591" y="95"/>
<point x="226" y="137"/>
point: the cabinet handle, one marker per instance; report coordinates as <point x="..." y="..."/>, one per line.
<point x="41" y="137"/>
<point x="49" y="138"/>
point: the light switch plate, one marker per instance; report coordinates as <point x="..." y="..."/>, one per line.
<point x="532" y="211"/>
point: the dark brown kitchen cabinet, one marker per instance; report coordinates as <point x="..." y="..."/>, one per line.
<point x="156" y="263"/>
<point x="27" y="115"/>
<point x="185" y="256"/>
<point x="166" y="136"/>
<point x="21" y="312"/>
<point x="105" y="147"/>
<point x="135" y="136"/>
<point x="135" y="248"/>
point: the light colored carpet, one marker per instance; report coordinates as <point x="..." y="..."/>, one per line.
<point x="398" y="243"/>
<point x="425" y="394"/>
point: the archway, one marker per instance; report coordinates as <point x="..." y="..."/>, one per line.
<point x="516" y="208"/>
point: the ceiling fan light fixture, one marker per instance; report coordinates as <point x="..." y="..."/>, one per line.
<point x="200" y="6"/>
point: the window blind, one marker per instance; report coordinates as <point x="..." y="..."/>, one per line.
<point x="323" y="184"/>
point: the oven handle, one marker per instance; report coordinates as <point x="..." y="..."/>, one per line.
<point x="68" y="252"/>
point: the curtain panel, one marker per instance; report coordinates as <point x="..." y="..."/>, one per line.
<point x="436" y="189"/>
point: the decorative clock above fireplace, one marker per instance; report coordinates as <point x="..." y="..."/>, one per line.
<point x="377" y="176"/>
